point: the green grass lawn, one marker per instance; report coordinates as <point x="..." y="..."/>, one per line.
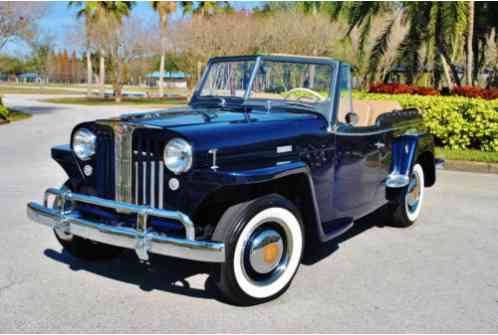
<point x="30" y="88"/>
<point x="467" y="155"/>
<point x="126" y="101"/>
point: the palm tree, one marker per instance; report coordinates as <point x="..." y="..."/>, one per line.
<point x="187" y="7"/>
<point x="206" y="8"/>
<point x="435" y="26"/>
<point x="116" y="11"/>
<point x="164" y="9"/>
<point x="88" y="12"/>
<point x="470" y="47"/>
<point x="94" y="12"/>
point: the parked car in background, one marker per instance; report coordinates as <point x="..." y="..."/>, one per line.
<point x="269" y="156"/>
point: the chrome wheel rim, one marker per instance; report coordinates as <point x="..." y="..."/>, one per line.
<point x="266" y="253"/>
<point x="413" y="193"/>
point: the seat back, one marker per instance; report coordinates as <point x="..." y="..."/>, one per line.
<point x="367" y="110"/>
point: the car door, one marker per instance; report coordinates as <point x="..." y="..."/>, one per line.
<point x="359" y="147"/>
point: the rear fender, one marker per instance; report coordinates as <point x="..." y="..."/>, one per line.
<point x="406" y="150"/>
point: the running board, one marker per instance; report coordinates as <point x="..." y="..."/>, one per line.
<point x="336" y="228"/>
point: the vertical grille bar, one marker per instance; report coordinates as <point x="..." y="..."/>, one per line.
<point x="139" y="159"/>
<point x="148" y="170"/>
<point x="104" y="165"/>
<point x="161" y="184"/>
<point x="148" y="174"/>
<point x="155" y="183"/>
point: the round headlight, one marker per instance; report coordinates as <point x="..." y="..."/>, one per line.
<point x="178" y="155"/>
<point x="84" y="144"/>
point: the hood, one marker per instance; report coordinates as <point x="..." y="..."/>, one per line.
<point x="236" y="135"/>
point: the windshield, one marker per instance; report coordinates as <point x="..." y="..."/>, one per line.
<point x="228" y="79"/>
<point x="276" y="83"/>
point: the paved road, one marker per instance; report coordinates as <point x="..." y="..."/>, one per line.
<point x="440" y="275"/>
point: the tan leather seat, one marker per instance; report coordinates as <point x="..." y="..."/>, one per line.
<point x="367" y="110"/>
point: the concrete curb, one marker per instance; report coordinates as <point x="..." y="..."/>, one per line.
<point x="469" y="166"/>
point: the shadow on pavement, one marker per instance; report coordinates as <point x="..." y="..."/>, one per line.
<point x="164" y="273"/>
<point x="322" y="250"/>
<point x="171" y="274"/>
<point x="36" y="109"/>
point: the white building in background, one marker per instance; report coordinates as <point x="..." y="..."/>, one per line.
<point x="173" y="79"/>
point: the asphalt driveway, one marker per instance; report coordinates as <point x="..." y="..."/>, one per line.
<point x="440" y="275"/>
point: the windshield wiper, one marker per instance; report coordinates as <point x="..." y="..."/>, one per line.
<point x="279" y="104"/>
<point x="207" y="116"/>
<point x="297" y="104"/>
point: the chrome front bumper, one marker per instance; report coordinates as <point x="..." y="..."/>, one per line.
<point x="140" y="238"/>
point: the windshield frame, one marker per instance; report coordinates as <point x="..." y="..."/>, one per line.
<point x="327" y="114"/>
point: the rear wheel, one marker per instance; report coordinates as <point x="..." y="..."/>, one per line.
<point x="263" y="244"/>
<point x="407" y="209"/>
<point x="80" y="247"/>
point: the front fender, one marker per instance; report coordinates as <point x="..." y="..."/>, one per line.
<point x="65" y="157"/>
<point x="251" y="175"/>
<point x="235" y="186"/>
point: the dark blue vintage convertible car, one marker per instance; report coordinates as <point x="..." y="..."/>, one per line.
<point x="269" y="154"/>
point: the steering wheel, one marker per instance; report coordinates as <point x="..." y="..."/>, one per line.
<point x="317" y="96"/>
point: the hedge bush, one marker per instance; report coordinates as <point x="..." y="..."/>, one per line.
<point x="457" y="122"/>
<point x="3" y="111"/>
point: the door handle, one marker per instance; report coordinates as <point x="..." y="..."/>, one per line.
<point x="379" y="145"/>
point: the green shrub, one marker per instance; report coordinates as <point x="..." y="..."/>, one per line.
<point x="458" y="122"/>
<point x="3" y="110"/>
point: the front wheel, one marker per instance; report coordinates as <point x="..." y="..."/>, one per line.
<point x="407" y="209"/>
<point x="263" y="245"/>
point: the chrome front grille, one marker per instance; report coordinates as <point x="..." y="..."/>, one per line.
<point x="148" y="182"/>
<point x="148" y="169"/>
<point x="130" y="166"/>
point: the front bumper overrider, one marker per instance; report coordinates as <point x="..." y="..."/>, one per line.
<point x="141" y="239"/>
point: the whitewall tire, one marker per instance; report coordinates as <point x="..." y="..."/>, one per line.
<point x="408" y="207"/>
<point x="264" y="242"/>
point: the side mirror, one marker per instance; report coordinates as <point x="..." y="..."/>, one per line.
<point x="351" y="119"/>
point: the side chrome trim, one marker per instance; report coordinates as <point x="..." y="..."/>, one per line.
<point x="140" y="238"/>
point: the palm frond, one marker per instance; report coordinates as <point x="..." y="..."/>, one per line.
<point x="379" y="49"/>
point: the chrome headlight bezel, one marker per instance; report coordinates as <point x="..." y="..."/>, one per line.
<point x="178" y="155"/>
<point x="84" y="144"/>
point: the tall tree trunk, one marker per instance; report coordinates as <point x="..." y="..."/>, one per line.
<point x="470" y="38"/>
<point x="102" y="73"/>
<point x="446" y="69"/>
<point x="199" y="70"/>
<point x="88" y="73"/>
<point x="446" y="60"/>
<point x="161" y="72"/>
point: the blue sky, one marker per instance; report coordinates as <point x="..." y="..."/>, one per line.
<point x="60" y="19"/>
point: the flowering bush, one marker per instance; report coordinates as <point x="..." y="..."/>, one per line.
<point x="402" y="89"/>
<point x="476" y="92"/>
<point x="457" y="122"/>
